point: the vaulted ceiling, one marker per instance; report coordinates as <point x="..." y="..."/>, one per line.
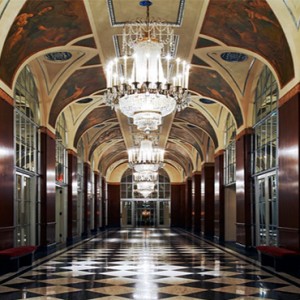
<point x="68" y="43"/>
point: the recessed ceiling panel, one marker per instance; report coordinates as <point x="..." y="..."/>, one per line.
<point x="170" y="11"/>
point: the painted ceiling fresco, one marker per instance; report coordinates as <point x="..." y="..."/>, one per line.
<point x="117" y="152"/>
<point x="41" y="25"/>
<point x="106" y="136"/>
<point x="179" y="133"/>
<point x="80" y="84"/>
<point x="209" y="83"/>
<point x="196" y="118"/>
<point x="251" y="25"/>
<point x="97" y="116"/>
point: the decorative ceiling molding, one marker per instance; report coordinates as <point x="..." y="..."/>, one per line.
<point x="115" y="23"/>
<point x="296" y="19"/>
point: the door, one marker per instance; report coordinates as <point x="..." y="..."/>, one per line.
<point x="25" y="210"/>
<point x="266" y="209"/>
<point x="146" y="213"/>
<point x="127" y="208"/>
<point x="61" y="214"/>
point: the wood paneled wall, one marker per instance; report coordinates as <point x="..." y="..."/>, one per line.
<point x="207" y="199"/>
<point x="103" y="203"/>
<point x="72" y="196"/>
<point x="243" y="188"/>
<point x="219" y="197"/>
<point x="7" y="153"/>
<point x="197" y="202"/>
<point x="178" y="205"/>
<point x="188" y="204"/>
<point x="47" y="182"/>
<point x="289" y="181"/>
<point x="97" y="201"/>
<point x="86" y="200"/>
<point x="113" y="205"/>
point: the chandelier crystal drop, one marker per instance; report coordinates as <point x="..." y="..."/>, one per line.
<point x="145" y="156"/>
<point x="147" y="82"/>
<point x="145" y="176"/>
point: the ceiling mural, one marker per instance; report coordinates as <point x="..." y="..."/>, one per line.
<point x="194" y="117"/>
<point x="89" y="42"/>
<point x="117" y="152"/>
<point x="38" y="26"/>
<point x="178" y="133"/>
<point x="80" y="84"/>
<point x="251" y="25"/>
<point x="211" y="84"/>
<point x="97" y="116"/>
<point x="105" y="136"/>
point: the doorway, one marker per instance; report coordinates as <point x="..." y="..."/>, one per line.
<point x="266" y="209"/>
<point x="61" y="214"/>
<point x="25" y="210"/>
<point x="135" y="213"/>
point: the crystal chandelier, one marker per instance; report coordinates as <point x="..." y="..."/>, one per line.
<point x="145" y="176"/>
<point x="145" y="188"/>
<point x="147" y="83"/>
<point x="146" y="157"/>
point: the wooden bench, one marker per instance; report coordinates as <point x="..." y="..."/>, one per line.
<point x="13" y="258"/>
<point x="280" y="259"/>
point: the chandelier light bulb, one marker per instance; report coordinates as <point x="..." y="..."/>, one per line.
<point x="139" y="82"/>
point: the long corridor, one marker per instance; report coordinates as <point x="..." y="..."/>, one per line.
<point x="147" y="263"/>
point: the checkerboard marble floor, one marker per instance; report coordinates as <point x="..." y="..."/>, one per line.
<point x="148" y="263"/>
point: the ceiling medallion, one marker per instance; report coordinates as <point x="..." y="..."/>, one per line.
<point x="234" y="56"/>
<point x="206" y="101"/>
<point x="147" y="83"/>
<point x="58" y="56"/>
<point x="85" y="101"/>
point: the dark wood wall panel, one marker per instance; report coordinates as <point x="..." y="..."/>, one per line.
<point x="197" y="202"/>
<point x="72" y="196"/>
<point x="177" y="205"/>
<point x="288" y="187"/>
<point x="207" y="199"/>
<point x="113" y="205"/>
<point x="6" y="175"/>
<point x="96" y="201"/>
<point x="103" y="203"/>
<point x="188" y="204"/>
<point x="48" y="195"/>
<point x="243" y="189"/>
<point x="86" y="200"/>
<point x="219" y="197"/>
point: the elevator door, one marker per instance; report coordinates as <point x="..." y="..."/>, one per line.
<point x="266" y="209"/>
<point x="25" y="216"/>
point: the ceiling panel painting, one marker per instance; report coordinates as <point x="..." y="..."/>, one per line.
<point x="80" y="84"/>
<point x="196" y="118"/>
<point x="211" y="84"/>
<point x="97" y="116"/>
<point x="107" y="135"/>
<point x="251" y="25"/>
<point x="41" y="25"/>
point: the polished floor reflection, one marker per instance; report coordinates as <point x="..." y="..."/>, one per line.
<point x="149" y="264"/>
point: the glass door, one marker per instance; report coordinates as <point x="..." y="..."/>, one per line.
<point x="127" y="208"/>
<point x="24" y="210"/>
<point x="266" y="209"/>
<point x="146" y="213"/>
